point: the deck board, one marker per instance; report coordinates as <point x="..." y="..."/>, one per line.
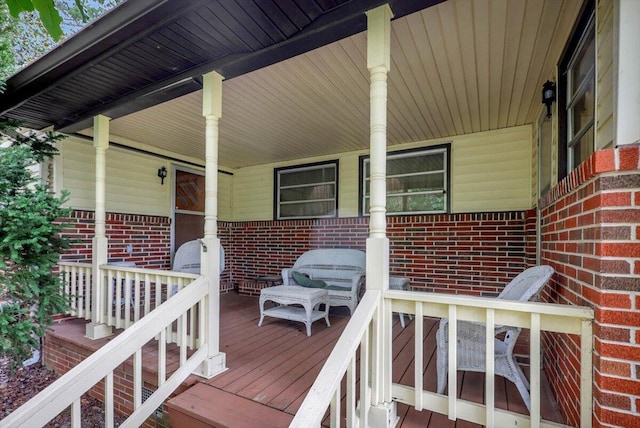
<point x="276" y="364"/>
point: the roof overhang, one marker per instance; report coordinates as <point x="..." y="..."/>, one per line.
<point x="146" y="52"/>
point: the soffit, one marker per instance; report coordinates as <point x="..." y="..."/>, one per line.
<point x="457" y="68"/>
<point x="149" y="51"/>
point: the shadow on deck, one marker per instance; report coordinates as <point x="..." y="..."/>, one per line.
<point x="271" y="368"/>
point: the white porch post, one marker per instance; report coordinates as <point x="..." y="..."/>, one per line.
<point x="628" y="73"/>
<point x="210" y="255"/>
<point x="383" y="411"/>
<point x="97" y="328"/>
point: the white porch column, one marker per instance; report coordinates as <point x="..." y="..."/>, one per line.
<point x="628" y="72"/>
<point x="97" y="328"/>
<point x="210" y="255"/>
<point x="383" y="412"/>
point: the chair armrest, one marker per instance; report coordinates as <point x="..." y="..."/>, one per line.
<point x="475" y="331"/>
<point x="358" y="285"/>
<point x="398" y="282"/>
<point x="286" y="276"/>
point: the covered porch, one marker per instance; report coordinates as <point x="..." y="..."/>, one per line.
<point x="267" y="98"/>
<point x="271" y="369"/>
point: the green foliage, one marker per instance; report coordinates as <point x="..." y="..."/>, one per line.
<point x="7" y="57"/>
<point x="49" y="15"/>
<point x="31" y="39"/>
<point x="30" y="245"/>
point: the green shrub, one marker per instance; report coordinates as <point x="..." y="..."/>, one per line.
<point x="30" y="244"/>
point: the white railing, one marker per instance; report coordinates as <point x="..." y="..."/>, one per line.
<point x="129" y="294"/>
<point x="67" y="391"/>
<point x="536" y="317"/>
<point x="326" y="391"/>
<point x="76" y="280"/>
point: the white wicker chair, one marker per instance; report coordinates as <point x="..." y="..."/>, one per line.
<point x="187" y="258"/>
<point x="471" y="336"/>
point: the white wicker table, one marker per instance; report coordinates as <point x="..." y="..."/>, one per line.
<point x="287" y="295"/>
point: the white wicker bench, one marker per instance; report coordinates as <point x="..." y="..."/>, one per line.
<point x="343" y="270"/>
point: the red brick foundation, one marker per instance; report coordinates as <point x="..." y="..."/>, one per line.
<point x="590" y="230"/>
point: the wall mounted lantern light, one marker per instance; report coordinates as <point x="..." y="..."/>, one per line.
<point x="162" y="173"/>
<point x="548" y="95"/>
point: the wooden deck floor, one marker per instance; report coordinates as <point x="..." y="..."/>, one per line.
<point x="273" y="366"/>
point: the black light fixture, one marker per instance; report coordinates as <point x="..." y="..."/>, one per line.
<point x="162" y="173"/>
<point x="548" y="95"/>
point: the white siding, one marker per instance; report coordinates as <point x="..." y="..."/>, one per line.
<point x="490" y="171"/>
<point x="132" y="182"/>
<point x="225" y="196"/>
<point x="348" y="185"/>
<point x="605" y="75"/>
<point x="535" y="167"/>
<point x="253" y="193"/>
<point x="133" y="185"/>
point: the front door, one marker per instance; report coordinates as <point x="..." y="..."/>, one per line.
<point x="188" y="206"/>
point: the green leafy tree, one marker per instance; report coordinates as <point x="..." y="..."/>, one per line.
<point x="30" y="243"/>
<point x="7" y="57"/>
<point x="49" y="15"/>
<point x="30" y="239"/>
<point x="32" y="36"/>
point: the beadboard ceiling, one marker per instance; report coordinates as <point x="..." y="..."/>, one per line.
<point x="459" y="67"/>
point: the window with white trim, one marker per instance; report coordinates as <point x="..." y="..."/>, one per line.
<point x="417" y="181"/>
<point x="306" y="191"/>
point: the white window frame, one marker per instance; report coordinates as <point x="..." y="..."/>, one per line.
<point x="441" y="149"/>
<point x="279" y="172"/>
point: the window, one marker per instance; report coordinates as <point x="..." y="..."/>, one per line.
<point x="417" y="181"/>
<point x="577" y="95"/>
<point x="306" y="191"/>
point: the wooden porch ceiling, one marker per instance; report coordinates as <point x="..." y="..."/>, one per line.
<point x="296" y="79"/>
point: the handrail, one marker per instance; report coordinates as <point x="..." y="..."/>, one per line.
<point x="556" y="317"/>
<point x="129" y="293"/>
<point x="76" y="287"/>
<point x="538" y="317"/>
<point x="167" y="273"/>
<point x="327" y="385"/>
<point x="67" y="390"/>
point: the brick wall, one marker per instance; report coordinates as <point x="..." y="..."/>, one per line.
<point x="149" y="236"/>
<point x="590" y="230"/>
<point x="458" y="253"/>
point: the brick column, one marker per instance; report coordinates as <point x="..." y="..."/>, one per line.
<point x="590" y="230"/>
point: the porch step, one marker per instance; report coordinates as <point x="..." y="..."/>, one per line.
<point x="203" y="406"/>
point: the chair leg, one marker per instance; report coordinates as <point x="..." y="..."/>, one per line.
<point x="441" y="360"/>
<point x="401" y="315"/>
<point x="520" y="381"/>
